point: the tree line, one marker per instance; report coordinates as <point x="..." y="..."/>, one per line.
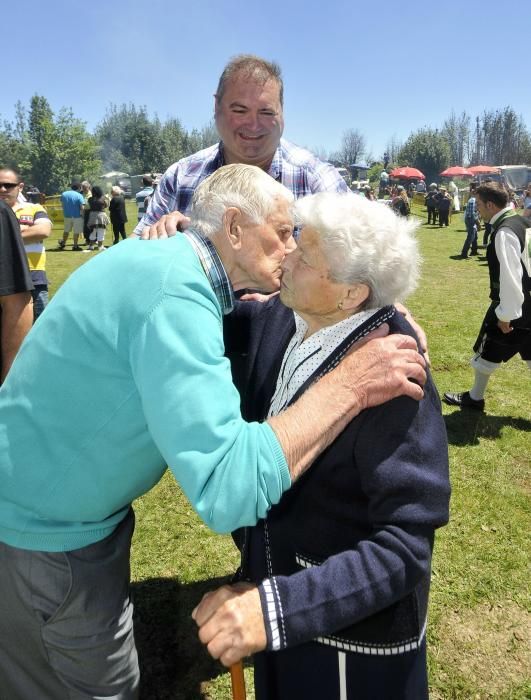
<point x="496" y="137"/>
<point x="52" y="148"/>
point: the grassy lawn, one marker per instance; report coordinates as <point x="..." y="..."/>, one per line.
<point x="480" y="620"/>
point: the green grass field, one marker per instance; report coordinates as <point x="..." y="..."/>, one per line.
<point x="479" y="633"/>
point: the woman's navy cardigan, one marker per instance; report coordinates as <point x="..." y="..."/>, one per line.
<point x="345" y="557"/>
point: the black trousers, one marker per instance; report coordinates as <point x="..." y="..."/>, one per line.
<point x="432" y="215"/>
<point x="118" y="229"/>
<point x="443" y="218"/>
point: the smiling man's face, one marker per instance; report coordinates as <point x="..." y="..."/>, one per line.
<point x="249" y="120"/>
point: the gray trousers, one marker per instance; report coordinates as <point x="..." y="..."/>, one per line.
<point x="66" y="622"/>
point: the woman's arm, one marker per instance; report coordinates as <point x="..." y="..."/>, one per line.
<point x="405" y="477"/>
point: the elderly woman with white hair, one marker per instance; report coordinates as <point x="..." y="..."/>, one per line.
<point x="340" y="568"/>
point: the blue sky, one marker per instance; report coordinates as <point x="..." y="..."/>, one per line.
<point x="384" y="68"/>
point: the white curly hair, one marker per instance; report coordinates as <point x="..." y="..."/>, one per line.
<point x="364" y="241"/>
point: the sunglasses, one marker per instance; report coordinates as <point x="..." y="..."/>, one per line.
<point x="8" y="185"/>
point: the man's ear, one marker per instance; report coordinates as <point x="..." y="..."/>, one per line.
<point x="232" y="227"/>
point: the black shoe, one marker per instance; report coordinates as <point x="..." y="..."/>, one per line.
<point x="77" y="247"/>
<point x="464" y="400"/>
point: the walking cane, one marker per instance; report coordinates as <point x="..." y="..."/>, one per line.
<point x="238" y="681"/>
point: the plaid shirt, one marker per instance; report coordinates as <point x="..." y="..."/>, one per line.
<point x="471" y="212"/>
<point x="213" y="267"/>
<point x="296" y="168"/>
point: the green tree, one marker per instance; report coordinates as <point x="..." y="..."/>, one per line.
<point x="49" y="151"/>
<point x="133" y="142"/>
<point x="427" y="150"/>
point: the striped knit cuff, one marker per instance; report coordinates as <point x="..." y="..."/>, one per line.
<point x="272" y="611"/>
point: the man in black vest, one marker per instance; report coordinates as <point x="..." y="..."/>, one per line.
<point x="506" y="328"/>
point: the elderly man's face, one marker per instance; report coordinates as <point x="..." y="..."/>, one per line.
<point x="306" y="286"/>
<point x="250" y="122"/>
<point x="264" y="248"/>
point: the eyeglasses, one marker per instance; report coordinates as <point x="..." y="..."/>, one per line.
<point x="8" y="185"/>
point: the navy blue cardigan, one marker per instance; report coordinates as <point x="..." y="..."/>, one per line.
<point x="345" y="557"/>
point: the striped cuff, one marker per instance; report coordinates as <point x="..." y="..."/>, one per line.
<point x="272" y="612"/>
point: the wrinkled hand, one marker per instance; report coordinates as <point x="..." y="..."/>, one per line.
<point x="380" y="369"/>
<point x="230" y="622"/>
<point x="505" y="326"/>
<point x="166" y="226"/>
<point x="423" y="340"/>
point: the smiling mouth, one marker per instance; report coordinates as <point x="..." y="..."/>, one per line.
<point x="246" y="137"/>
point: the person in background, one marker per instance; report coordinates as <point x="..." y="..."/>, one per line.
<point x="421" y="186"/>
<point x="368" y="192"/>
<point x="400" y="203"/>
<point x="33" y="195"/>
<point x="98" y="219"/>
<point x="383" y="184"/>
<point x="35" y="228"/>
<point x="340" y="567"/>
<point x="117" y="214"/>
<point x="248" y="111"/>
<point x="453" y="191"/>
<point x="431" y="201"/>
<point x="444" y="205"/>
<point x="140" y="197"/>
<point x="472" y="222"/>
<point x="72" y="202"/>
<point x="506" y="328"/>
<point x="16" y="306"/>
<point x="86" y="191"/>
<point x="526" y="201"/>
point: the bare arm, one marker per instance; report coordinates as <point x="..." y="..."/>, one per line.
<point x="377" y="372"/>
<point x="37" y="232"/>
<point x="16" y="319"/>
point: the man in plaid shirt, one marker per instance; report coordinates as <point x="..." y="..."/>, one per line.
<point x="249" y="119"/>
<point x="471" y="222"/>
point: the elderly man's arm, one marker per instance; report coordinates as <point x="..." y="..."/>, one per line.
<point x="233" y="471"/>
<point x="16" y="321"/>
<point x="379" y="371"/>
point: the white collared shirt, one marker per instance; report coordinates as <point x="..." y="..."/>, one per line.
<point x="303" y="357"/>
<point x="510" y="255"/>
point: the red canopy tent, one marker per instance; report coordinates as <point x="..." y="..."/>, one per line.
<point x="482" y="169"/>
<point x="457" y="171"/>
<point x="407" y="173"/>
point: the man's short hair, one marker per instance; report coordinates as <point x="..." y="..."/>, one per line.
<point x="147" y="181"/>
<point x="12" y="170"/>
<point x="493" y="192"/>
<point x="75" y="185"/>
<point x="253" y="69"/>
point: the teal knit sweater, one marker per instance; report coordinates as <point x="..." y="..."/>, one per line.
<point x="122" y="375"/>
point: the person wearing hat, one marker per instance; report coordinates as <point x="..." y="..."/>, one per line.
<point x="444" y="203"/>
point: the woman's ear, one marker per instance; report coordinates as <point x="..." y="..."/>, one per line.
<point x="356" y="296"/>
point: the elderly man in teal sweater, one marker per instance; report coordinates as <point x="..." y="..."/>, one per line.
<point x="142" y="368"/>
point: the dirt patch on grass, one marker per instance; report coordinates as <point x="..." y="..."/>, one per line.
<point x="487" y="646"/>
